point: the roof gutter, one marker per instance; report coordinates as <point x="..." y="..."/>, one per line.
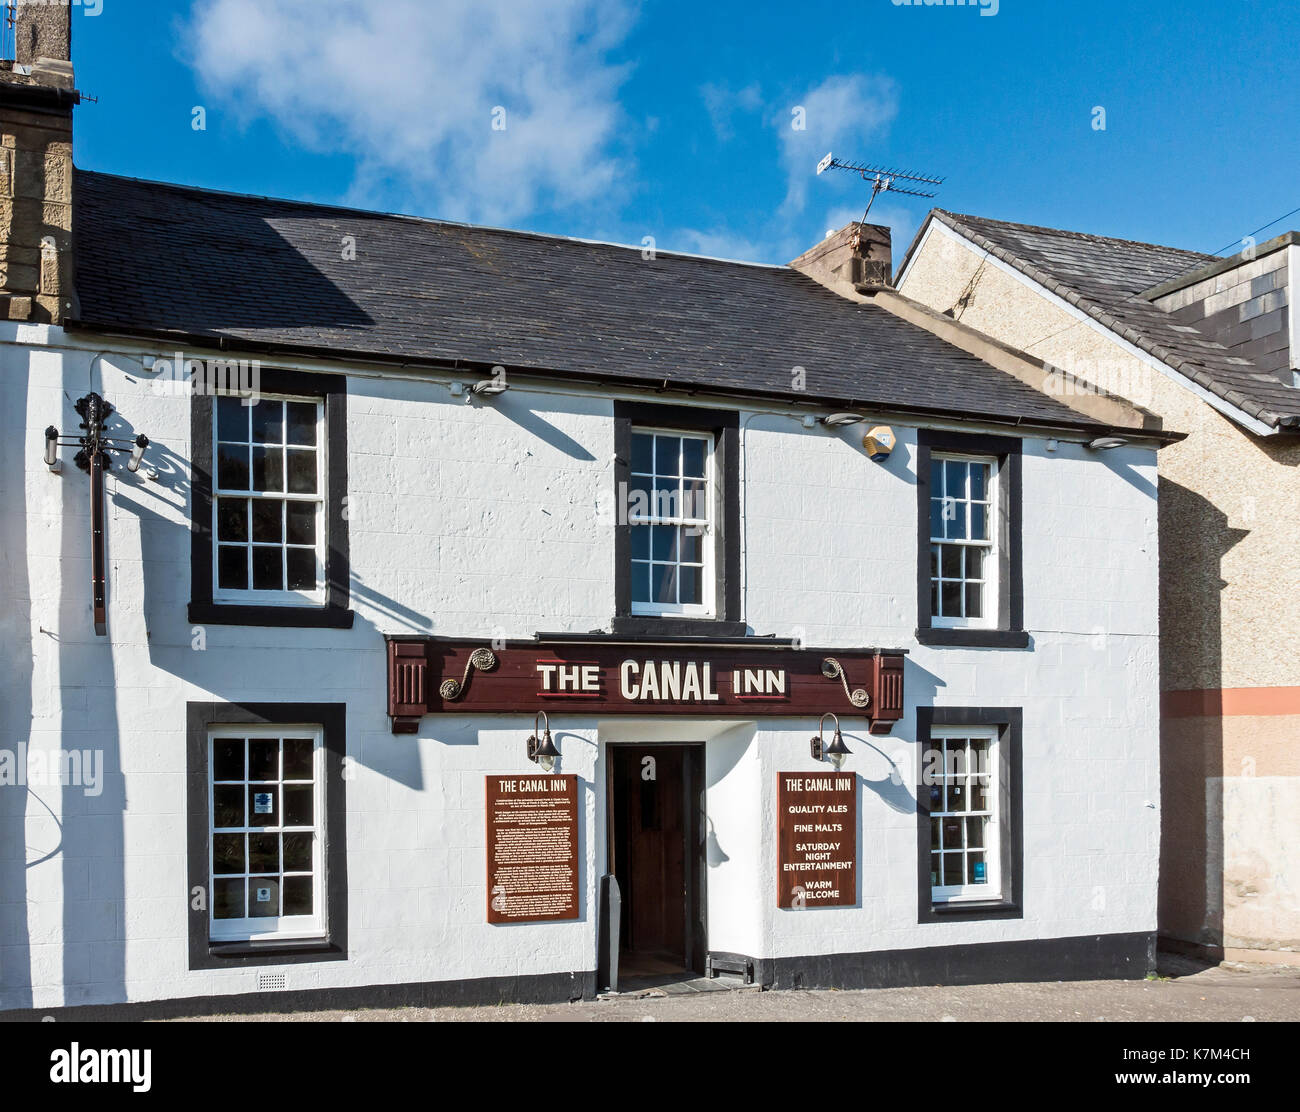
<point x="659" y="384"/>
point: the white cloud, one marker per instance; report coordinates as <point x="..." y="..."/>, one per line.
<point x="845" y="114"/>
<point x="723" y="103"/>
<point x="410" y="88"/>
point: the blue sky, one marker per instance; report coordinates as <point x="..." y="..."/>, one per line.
<point x="675" y="120"/>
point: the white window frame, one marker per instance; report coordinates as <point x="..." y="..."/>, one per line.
<point x="992" y="889"/>
<point x="993" y="557"/>
<point x="707" y="607"/>
<point x="250" y="596"/>
<point x="251" y="928"/>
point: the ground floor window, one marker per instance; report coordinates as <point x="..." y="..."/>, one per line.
<point x="267" y="857"/>
<point x="970" y="842"/>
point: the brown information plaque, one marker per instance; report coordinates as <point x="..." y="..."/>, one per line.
<point x="817" y="839"/>
<point x="532" y="848"/>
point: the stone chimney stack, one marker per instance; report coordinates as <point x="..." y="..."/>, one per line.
<point x="856" y="259"/>
<point x="37" y="96"/>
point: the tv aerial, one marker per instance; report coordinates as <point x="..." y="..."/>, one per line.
<point x="882" y="179"/>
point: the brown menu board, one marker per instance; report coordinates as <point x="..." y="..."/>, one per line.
<point x="532" y="848"/>
<point x="817" y="839"/>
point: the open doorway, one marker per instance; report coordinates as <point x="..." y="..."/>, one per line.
<point x="656" y="848"/>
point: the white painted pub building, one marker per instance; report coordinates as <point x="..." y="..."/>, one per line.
<point x="492" y="616"/>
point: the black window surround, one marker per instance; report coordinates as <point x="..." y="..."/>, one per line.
<point x="1010" y="723"/>
<point x="1010" y="632"/>
<point x="725" y="427"/>
<point x="332" y="719"/>
<point x="335" y="614"/>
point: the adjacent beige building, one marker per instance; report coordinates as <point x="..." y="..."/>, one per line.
<point x="1210" y="346"/>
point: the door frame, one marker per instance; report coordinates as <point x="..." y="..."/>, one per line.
<point x="695" y="817"/>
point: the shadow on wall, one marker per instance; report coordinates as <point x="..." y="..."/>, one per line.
<point x="1194" y="538"/>
<point x="16" y="703"/>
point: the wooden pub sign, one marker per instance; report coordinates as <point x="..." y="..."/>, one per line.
<point x="428" y="675"/>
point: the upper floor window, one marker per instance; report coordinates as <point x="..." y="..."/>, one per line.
<point x="269" y="504"/>
<point x="963" y="541"/>
<point x="269" y="490"/>
<point x="969" y="575"/>
<point x="671" y="515"/>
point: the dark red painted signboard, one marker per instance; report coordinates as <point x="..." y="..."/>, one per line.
<point x="817" y="839"/>
<point x="433" y="676"/>
<point x="532" y="848"/>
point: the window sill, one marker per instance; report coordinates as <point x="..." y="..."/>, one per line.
<point x="966" y="637"/>
<point x="972" y="909"/>
<point x="642" y="625"/>
<point x="235" y="614"/>
<point x="275" y="951"/>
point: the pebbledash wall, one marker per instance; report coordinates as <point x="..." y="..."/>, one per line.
<point x="474" y="520"/>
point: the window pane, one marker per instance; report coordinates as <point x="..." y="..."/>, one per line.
<point x="262" y="808"/>
<point x="954" y="478"/>
<point x="300" y="522"/>
<point x="642" y="452"/>
<point x="934" y="869"/>
<point x="297" y="895"/>
<point x="934" y="833"/>
<point x="301" y="422"/>
<point x="934" y="600"/>
<point x="263" y="897"/>
<point x="228" y="806"/>
<point x="302" y="472"/>
<point x="264" y="853"/>
<point x="300" y="569"/>
<point x="228" y="899"/>
<point x="663" y="583"/>
<point x="663" y="542"/>
<point x="298" y="805"/>
<point x="955" y="520"/>
<point x="956" y="797"/>
<point x="297" y="852"/>
<point x="690" y="545"/>
<point x="975" y="833"/>
<point x="936" y="517"/>
<point x="232" y="519"/>
<point x="690" y="586"/>
<point x="668" y="455"/>
<point x="640" y="504"/>
<point x="263" y="759"/>
<point x="268" y="469"/>
<point x="232" y="419"/>
<point x="695" y="499"/>
<point x="934" y="561"/>
<point x="232" y="467"/>
<point x="641" y="542"/>
<point x="693" y="457"/>
<point x="976" y="871"/>
<point x="232" y="568"/>
<point x="978" y="481"/>
<point x="268" y="423"/>
<point x="640" y="585"/>
<point x="228" y="853"/>
<point x="951" y="562"/>
<point x="953" y="871"/>
<point x="974" y="600"/>
<point x="667" y="498"/>
<point x="298" y="758"/>
<point x="952" y="834"/>
<point x="952" y="600"/>
<point x="267" y="524"/>
<point x="979" y="525"/>
<point x="228" y="759"/>
<point x="979" y="796"/>
<point x="268" y="569"/>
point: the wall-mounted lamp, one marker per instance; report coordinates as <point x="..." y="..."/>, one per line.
<point x="840" y="420"/>
<point x="543" y="752"/>
<point x="1105" y="443"/>
<point x="836" y="751"/>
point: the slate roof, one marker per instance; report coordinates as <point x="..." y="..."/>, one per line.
<point x="269" y="275"/>
<point x="1105" y="278"/>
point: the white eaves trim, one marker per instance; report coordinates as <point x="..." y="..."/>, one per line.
<point x="1230" y="411"/>
<point x="1293" y="303"/>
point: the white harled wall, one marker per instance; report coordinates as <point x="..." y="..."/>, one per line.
<point x="472" y="520"/>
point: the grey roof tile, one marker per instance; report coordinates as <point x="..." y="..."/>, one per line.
<point x="269" y="274"/>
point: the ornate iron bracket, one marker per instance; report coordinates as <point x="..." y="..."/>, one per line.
<point x="832" y="669"/>
<point x="484" y="660"/>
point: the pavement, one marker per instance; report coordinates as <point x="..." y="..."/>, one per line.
<point x="1183" y="990"/>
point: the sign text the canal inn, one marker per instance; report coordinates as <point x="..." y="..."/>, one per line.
<point x="686" y="681"/>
